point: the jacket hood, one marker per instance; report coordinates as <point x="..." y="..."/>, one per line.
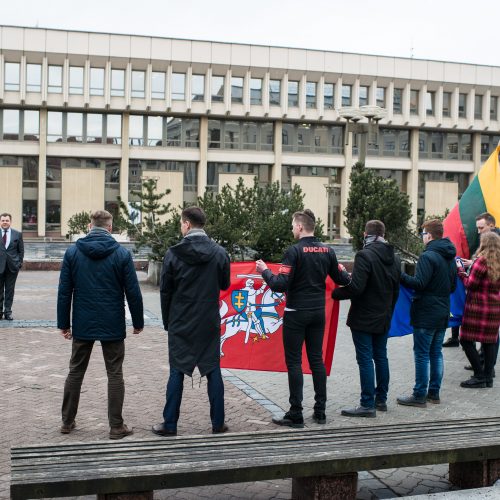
<point x="443" y="247"/>
<point x="384" y="251"/>
<point x="97" y="245"/>
<point x="195" y="249"/>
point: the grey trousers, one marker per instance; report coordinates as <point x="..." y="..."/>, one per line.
<point x="113" y="353"/>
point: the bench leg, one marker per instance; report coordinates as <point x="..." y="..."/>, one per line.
<point x="476" y="474"/>
<point x="332" y="487"/>
<point x="139" y="495"/>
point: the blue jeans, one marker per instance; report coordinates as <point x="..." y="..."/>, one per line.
<point x="215" y="389"/>
<point x="371" y="349"/>
<point x="427" y="350"/>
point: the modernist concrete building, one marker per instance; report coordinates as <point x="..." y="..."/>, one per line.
<point x="85" y="116"/>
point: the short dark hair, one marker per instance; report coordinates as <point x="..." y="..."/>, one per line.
<point x="375" y="228"/>
<point x="434" y="227"/>
<point x="195" y="216"/>
<point x="5" y="214"/>
<point x="488" y="218"/>
<point x="306" y="218"/>
<point x="101" y="218"/>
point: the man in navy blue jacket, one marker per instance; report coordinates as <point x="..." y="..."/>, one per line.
<point x="97" y="273"/>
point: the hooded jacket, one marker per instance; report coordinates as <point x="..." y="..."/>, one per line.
<point x="96" y="275"/>
<point x="434" y="280"/>
<point x="193" y="274"/>
<point x="373" y="290"/>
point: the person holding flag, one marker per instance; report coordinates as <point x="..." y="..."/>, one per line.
<point x="302" y="275"/>
<point x="434" y="281"/>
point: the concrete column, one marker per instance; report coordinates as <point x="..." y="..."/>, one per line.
<point x="476" y="154"/>
<point x="412" y="177"/>
<point x="125" y="158"/>
<point x="278" y="152"/>
<point x="203" y="163"/>
<point x="438" y="102"/>
<point x="345" y="185"/>
<point x="42" y="173"/>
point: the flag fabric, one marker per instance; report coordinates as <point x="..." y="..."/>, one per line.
<point x="482" y="195"/>
<point x="252" y="323"/>
<point x="400" y="323"/>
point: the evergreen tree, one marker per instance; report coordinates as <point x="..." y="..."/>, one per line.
<point x="373" y="197"/>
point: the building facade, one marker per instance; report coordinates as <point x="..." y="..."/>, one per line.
<point x="85" y="117"/>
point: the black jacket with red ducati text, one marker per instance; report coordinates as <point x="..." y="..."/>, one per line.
<point x="303" y="273"/>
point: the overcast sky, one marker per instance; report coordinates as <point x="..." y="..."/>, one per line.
<point x="449" y="30"/>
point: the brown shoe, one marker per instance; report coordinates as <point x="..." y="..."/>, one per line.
<point x="120" y="432"/>
<point x="67" y="428"/>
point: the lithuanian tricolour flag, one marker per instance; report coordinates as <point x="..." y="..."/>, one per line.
<point x="483" y="195"/>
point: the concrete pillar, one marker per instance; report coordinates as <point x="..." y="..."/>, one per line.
<point x="203" y="163"/>
<point x="412" y="177"/>
<point x="42" y="173"/>
<point x="125" y="158"/>
<point x="278" y="152"/>
<point x="476" y="154"/>
<point x="345" y="184"/>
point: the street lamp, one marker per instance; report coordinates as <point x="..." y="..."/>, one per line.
<point x="353" y="116"/>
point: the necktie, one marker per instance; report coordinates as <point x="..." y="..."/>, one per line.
<point x="4" y="238"/>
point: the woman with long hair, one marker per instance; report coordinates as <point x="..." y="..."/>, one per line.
<point x="481" y="318"/>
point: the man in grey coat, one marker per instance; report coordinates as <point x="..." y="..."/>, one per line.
<point x="11" y="260"/>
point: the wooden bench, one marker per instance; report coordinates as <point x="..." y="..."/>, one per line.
<point x="323" y="462"/>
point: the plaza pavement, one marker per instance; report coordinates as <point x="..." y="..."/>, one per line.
<point x="34" y="361"/>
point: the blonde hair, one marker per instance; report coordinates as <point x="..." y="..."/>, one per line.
<point x="489" y="249"/>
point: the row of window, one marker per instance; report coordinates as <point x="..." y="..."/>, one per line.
<point x="12" y="82"/>
<point x="72" y="127"/>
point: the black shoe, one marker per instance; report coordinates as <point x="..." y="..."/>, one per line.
<point x="289" y="421"/>
<point x="380" y="405"/>
<point x="220" y="430"/>
<point x="159" y="430"/>
<point x="8" y="316"/>
<point x="432" y="398"/>
<point x="468" y="367"/>
<point x="474" y="383"/>
<point x="412" y="401"/>
<point x="451" y="342"/>
<point x="360" y="411"/>
<point x="319" y="417"/>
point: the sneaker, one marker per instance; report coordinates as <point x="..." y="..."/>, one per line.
<point x="380" y="405"/>
<point x="451" y="342"/>
<point x="159" y="430"/>
<point x="474" y="383"/>
<point x="289" y="421"/>
<point x="220" y="430"/>
<point x="67" y="428"/>
<point x="120" y="432"/>
<point x="412" y="401"/>
<point x="431" y="398"/>
<point x="360" y="411"/>
<point x="319" y="417"/>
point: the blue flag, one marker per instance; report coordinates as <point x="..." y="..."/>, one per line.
<point x="400" y="324"/>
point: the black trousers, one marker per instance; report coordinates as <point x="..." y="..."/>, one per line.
<point x="114" y="354"/>
<point x="307" y="327"/>
<point x="7" y="286"/>
<point x="490" y="352"/>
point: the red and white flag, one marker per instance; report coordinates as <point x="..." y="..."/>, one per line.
<point x="252" y="323"/>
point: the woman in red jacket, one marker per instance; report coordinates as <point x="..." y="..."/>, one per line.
<point x="481" y="318"/>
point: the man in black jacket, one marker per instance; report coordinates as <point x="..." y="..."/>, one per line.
<point x="193" y="274"/>
<point x="11" y="260"/>
<point x="434" y="280"/>
<point x="373" y="291"/>
<point x="302" y="275"/>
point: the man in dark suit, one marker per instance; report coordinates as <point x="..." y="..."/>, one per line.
<point x="11" y="260"/>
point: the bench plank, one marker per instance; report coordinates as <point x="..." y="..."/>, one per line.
<point x="161" y="463"/>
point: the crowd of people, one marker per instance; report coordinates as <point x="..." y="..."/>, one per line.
<point x="97" y="273"/>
